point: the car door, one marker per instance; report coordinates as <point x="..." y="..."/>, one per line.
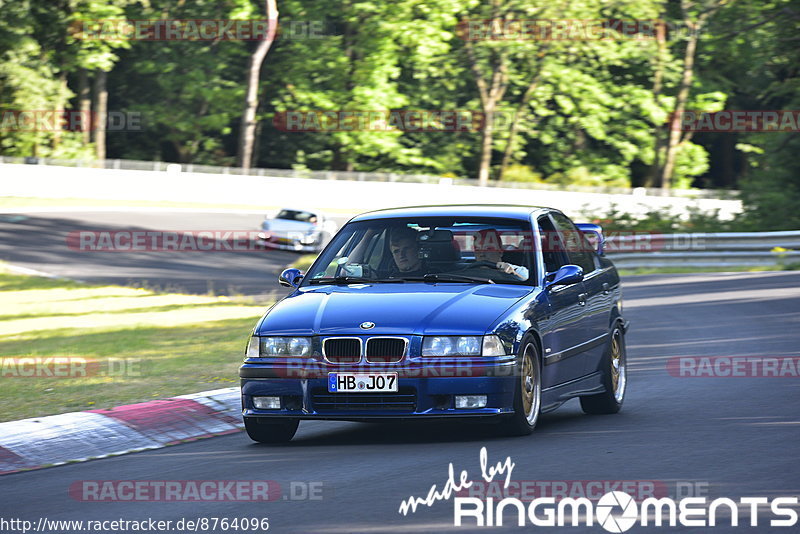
<point x="564" y="331"/>
<point x="595" y="293"/>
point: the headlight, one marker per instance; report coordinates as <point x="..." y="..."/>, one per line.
<point x="278" y="346"/>
<point x="299" y="346"/>
<point x="468" y="345"/>
<point x="451" y="346"/>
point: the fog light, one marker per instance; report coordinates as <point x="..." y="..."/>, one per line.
<point x="471" y="401"/>
<point x="267" y="403"/>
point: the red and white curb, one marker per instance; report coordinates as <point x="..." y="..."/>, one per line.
<point x="80" y="436"/>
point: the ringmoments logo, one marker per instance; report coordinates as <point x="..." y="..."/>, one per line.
<point x="615" y="511"/>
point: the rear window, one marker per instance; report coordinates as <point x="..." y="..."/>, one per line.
<point x="294" y="215"/>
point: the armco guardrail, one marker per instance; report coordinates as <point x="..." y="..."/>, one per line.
<point x="738" y="249"/>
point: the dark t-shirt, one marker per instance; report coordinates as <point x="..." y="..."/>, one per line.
<point x="416" y="273"/>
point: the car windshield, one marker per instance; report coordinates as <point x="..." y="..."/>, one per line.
<point x="430" y="249"/>
<point x="295" y="215"/>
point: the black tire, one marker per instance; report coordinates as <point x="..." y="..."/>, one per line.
<point x="615" y="378"/>
<point x="527" y="393"/>
<point x="270" y="431"/>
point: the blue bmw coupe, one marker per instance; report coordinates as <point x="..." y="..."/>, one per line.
<point x="494" y="312"/>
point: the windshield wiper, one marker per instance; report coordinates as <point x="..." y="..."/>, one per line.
<point x="354" y="280"/>
<point x="446" y="277"/>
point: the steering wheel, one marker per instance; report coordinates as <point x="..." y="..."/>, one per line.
<point x="483" y="263"/>
<point x="366" y="270"/>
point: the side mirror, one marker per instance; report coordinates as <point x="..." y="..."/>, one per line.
<point x="565" y="276"/>
<point x="291" y="278"/>
<point x="595" y="234"/>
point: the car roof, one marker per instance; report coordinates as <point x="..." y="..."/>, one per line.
<point x="507" y="211"/>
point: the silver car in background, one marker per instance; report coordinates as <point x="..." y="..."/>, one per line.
<point x="296" y="229"/>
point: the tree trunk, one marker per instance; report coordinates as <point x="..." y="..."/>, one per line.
<point x="248" y="126"/>
<point x="674" y="135"/>
<point x="729" y="156"/>
<point x="101" y="114"/>
<point x="85" y="99"/>
<point x="521" y="109"/>
<point x="342" y="159"/>
<point x="659" y="138"/>
<point x="487" y="140"/>
<point x="256" y="143"/>
<point x="490" y="94"/>
<point x="61" y="105"/>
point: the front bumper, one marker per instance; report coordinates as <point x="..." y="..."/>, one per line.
<point x="273" y="241"/>
<point x="419" y="395"/>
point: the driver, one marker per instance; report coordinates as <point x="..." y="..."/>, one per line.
<point x="489" y="249"/>
<point x="404" y="247"/>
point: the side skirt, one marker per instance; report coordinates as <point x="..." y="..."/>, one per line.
<point x="555" y="396"/>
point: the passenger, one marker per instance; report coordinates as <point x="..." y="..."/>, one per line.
<point x="489" y="251"/>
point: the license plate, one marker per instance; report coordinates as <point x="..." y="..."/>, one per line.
<point x="362" y="382"/>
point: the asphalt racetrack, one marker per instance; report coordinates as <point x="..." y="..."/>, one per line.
<point x="715" y="437"/>
<point x="45" y="241"/>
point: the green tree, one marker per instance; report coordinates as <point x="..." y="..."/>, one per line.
<point x="189" y="92"/>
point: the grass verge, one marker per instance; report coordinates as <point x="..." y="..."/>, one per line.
<point x="303" y="262"/>
<point x="138" y="345"/>
<point x="690" y="270"/>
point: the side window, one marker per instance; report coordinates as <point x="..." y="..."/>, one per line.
<point x="362" y="248"/>
<point x="375" y="252"/>
<point x="333" y="268"/>
<point x="551" y="244"/>
<point x="578" y="247"/>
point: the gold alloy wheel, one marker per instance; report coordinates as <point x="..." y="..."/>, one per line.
<point x="618" y="375"/>
<point x="530" y="386"/>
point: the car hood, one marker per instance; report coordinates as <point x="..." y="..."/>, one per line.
<point x="407" y="309"/>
